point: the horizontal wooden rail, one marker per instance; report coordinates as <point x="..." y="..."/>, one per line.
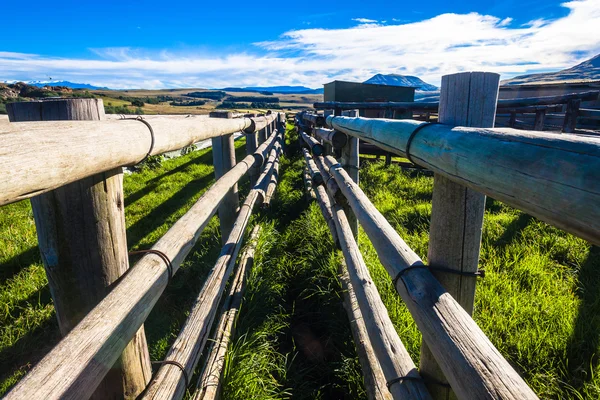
<point x="209" y="383"/>
<point x="314" y="146"/>
<point x="169" y="382"/>
<point x="75" y="367"/>
<point x="473" y="366"/>
<point x="335" y="138"/>
<point x="552" y="177"/>
<point x="40" y="156"/>
<point x="393" y="358"/>
<point x="433" y="106"/>
<point x="589" y="113"/>
<point x="258" y="123"/>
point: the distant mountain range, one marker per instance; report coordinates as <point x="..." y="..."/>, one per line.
<point x="68" y="84"/>
<point x="276" y="89"/>
<point x="587" y="70"/>
<point x="401" y="80"/>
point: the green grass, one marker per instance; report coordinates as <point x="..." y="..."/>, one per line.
<point x="539" y="302"/>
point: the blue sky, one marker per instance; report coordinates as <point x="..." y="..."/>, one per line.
<point x="156" y="44"/>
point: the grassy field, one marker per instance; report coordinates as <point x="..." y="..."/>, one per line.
<point x="287" y="101"/>
<point x="539" y="302"/>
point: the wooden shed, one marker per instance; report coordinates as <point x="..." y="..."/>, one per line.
<point x="365" y="92"/>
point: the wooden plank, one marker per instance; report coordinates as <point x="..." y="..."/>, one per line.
<point x="566" y="197"/>
<point x="75" y="367"/>
<point x="61" y="152"/>
<point x="209" y="383"/>
<point x="467" y="99"/>
<point x="169" y="382"/>
<point x="82" y="240"/>
<point x="473" y="366"/>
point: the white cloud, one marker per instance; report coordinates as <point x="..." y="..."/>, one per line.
<point x="365" y="20"/>
<point x="429" y="48"/>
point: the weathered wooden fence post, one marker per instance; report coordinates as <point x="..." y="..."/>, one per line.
<point x="466" y="99"/>
<point x="81" y="235"/>
<point x="223" y="150"/>
<point x="351" y="162"/>
<point x="571" y="116"/>
<point x="540" y="116"/>
<point x="251" y="146"/>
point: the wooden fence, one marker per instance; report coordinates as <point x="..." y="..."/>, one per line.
<point x="533" y="112"/>
<point x="553" y="177"/>
<point x="68" y="158"/>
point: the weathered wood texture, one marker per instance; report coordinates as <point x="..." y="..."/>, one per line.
<point x="209" y="383"/>
<point x="375" y="383"/>
<point x="259" y="123"/>
<point x="470" y="362"/>
<point x="571" y="115"/>
<point x="61" y="152"/>
<point x="308" y="185"/>
<point x="251" y="145"/>
<point x="466" y="99"/>
<point x="372" y="373"/>
<point x="433" y="106"/>
<point x="314" y="146"/>
<point x="540" y="116"/>
<point x="314" y="172"/>
<point x="332" y="137"/>
<point x="82" y="240"/>
<point x="223" y="152"/>
<point x="350" y="160"/>
<point x="75" y="367"/>
<point x="169" y="382"/>
<point x="393" y="358"/>
<point x="273" y="180"/>
<point x="514" y="166"/>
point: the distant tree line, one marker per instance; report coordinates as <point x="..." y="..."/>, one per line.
<point x="188" y="103"/>
<point x="259" y="105"/>
<point x="253" y="99"/>
<point x="214" y="95"/>
<point x="110" y="109"/>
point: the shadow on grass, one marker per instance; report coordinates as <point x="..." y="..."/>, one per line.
<point x="153" y="183"/>
<point x="582" y="347"/>
<point x="512" y="231"/>
<point x="163" y="211"/>
<point x="16" y="264"/>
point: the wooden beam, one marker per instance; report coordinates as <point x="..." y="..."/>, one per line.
<point x="61" y="152"/>
<point x="566" y="197"/>
<point x="316" y="148"/>
<point x="82" y="240"/>
<point x="466" y="99"/>
<point x="332" y="137"/>
<point x="209" y="383"/>
<point x="393" y="357"/>
<point x="473" y="366"/>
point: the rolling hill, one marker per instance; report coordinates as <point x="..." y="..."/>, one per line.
<point x="587" y="70"/>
